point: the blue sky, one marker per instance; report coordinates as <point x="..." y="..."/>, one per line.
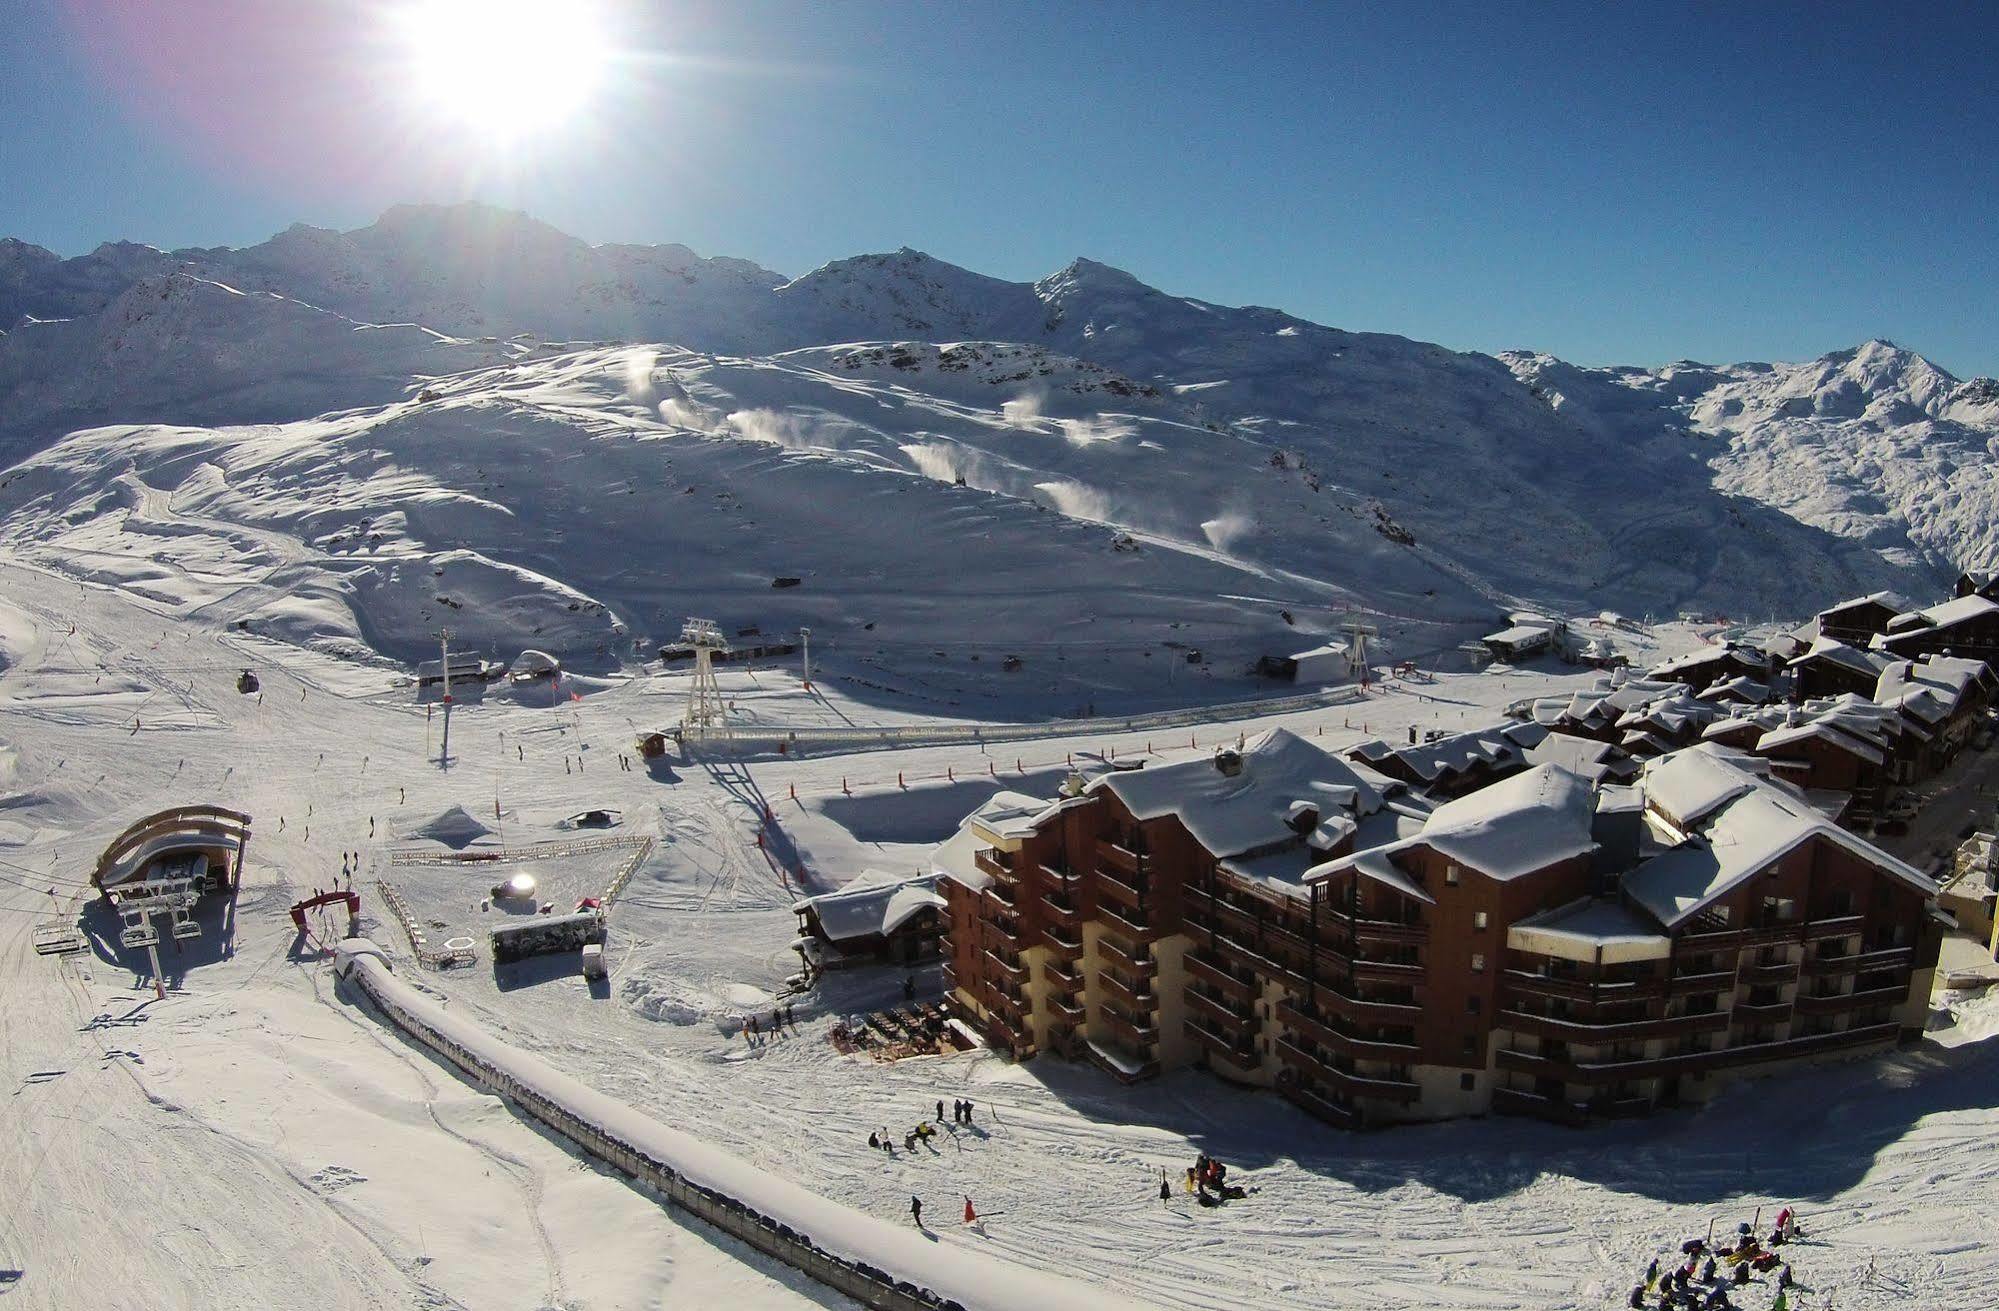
<point x="1612" y="183"/>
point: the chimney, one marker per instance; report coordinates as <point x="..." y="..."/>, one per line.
<point x="1229" y="761"/>
<point x="1072" y="786"/>
<point x="1616" y="827"/>
<point x="1304" y="817"/>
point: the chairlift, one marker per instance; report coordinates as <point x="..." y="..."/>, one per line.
<point x="142" y="934"/>
<point x="57" y="938"/>
<point x="184" y="924"/>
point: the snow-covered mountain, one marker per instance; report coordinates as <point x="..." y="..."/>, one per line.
<point x="601" y="439"/>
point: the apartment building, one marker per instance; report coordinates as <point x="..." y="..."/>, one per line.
<point x="1293" y="920"/>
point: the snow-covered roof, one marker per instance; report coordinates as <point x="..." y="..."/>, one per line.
<point x="1734" y="825"/>
<point x="875" y="903"/>
<point x="1591" y="930"/>
<point x="1688" y="785"/>
<point x="1833" y="650"/>
<point x="1232" y="813"/>
<point x="1825" y="730"/>
<point x="1891" y="600"/>
<point x="1515" y="826"/>
<point x="1488" y="745"/>
<point x="453" y="826"/>
<point x="1519" y="635"/>
<point x="1954" y="611"/>
<point x="1947" y="676"/>
<point x="1586" y="756"/>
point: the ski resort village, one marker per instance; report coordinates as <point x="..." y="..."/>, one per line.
<point x="546" y="773"/>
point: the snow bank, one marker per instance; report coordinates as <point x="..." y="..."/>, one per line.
<point x="884" y="1265"/>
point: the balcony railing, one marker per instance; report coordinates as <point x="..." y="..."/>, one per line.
<point x="1114" y="857"/>
<point x="1886" y="958"/>
<point x="1331" y="1033"/>
<point x="1215" y="976"/>
<point x="1787" y="972"/>
<point x="1680" y="985"/>
<point x="1574" y="989"/>
<point x="1768" y="1012"/>
<point x="1325" y="1108"/>
<point x="1134" y="994"/>
<point x="1137" y="1030"/>
<point x="1012" y="970"/>
<point x="1390" y="931"/>
<point x="1064" y="941"/>
<point x="1515" y="1101"/>
<point x="1138" y="963"/>
<point x="1061" y="976"/>
<point x="1137" y="925"/>
<point x="1836" y="927"/>
<point x="1810" y="1004"/>
<point x="1219" y="1011"/>
<point x="1346" y="1081"/>
<point x="1597" y="1072"/>
<point x="1233" y="1046"/>
<point x="1111" y="888"/>
<point x="1574" y="1030"/>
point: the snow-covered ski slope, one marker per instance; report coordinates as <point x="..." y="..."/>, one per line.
<point x="258" y="1139"/>
<point x="1261" y="464"/>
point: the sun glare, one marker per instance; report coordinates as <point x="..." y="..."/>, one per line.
<point x="504" y="69"/>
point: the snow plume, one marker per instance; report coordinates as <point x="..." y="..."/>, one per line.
<point x="685" y="413"/>
<point x="636" y="366"/>
<point x="1103" y="428"/>
<point x="1023" y="411"/>
<point x="1077" y="501"/>
<point x="1227" y="528"/>
<point x="774" y="426"/>
<point x="943" y="461"/>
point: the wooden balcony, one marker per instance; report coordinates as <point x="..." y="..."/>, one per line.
<point x="1060" y="909"/>
<point x="1111" y="856"/>
<point x="1135" y="995"/>
<point x="1597" y="1072"/>
<point x="1207" y="971"/>
<point x="1136" y="963"/>
<point x="1770" y="974"/>
<point x="1136" y="926"/>
<point x="1570" y="1030"/>
<point x="996" y="863"/>
<point x="1354" y="1085"/>
<point x="1809" y="1004"/>
<point x="1381" y="971"/>
<point x="1241" y="954"/>
<point x="1065" y="942"/>
<point x="1681" y="985"/>
<point x="1112" y="889"/>
<point x="1143" y="1066"/>
<point x="1067" y="1013"/>
<point x="1388" y="931"/>
<point x="1061" y="976"/>
<point x="1012" y="970"/>
<point x="1836" y="927"/>
<point x="1774" y="1012"/>
<point x="950" y="974"/>
<point x="1137" y="1031"/>
<point x="1325" y="1108"/>
<point x="1004" y="892"/>
<point x="1359" y="1011"/>
<point x="1233" y="1046"/>
<point x="1573" y="989"/>
<point x="1887" y="958"/>
<point x="1326" y="1031"/>
<point x="1219" y="1012"/>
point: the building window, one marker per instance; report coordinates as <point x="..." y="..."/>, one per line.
<point x="1468" y="1083"/>
<point x="1478" y="919"/>
<point x="1471" y="1005"/>
<point x="1478" y="962"/>
<point x="1451" y="875"/>
<point x="1471" y="1046"/>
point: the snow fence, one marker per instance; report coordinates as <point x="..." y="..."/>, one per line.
<point x="886" y="1266"/>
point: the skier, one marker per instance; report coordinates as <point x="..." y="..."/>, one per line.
<point x="874" y="1141"/>
<point x="968" y="1110"/>
<point x="916" y="1209"/>
<point x="971" y="1216"/>
<point x="776" y="1020"/>
<point x="1637" y="1300"/>
<point x="1652" y="1275"/>
<point x="1784" y="1276"/>
<point x="1742" y="1274"/>
<point x="1707" y="1271"/>
<point x="1782" y="1302"/>
<point x="1165" y="1189"/>
<point x="940" y="1110"/>
<point x="909" y="987"/>
<point x="790" y="1014"/>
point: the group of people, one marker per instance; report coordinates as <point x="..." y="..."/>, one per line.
<point x="1207" y="1181"/>
<point x="754" y="1032"/>
<point x="961" y="1113"/>
<point x="1700" y="1284"/>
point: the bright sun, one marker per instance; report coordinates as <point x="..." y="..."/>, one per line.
<point x="504" y="69"/>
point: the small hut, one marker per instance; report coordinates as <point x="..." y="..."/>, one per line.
<point x="877" y="917"/>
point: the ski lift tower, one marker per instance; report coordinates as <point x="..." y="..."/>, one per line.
<point x="707" y="713"/>
<point x="1357" y="650"/>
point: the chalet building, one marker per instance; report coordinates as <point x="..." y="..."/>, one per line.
<point x="1977" y="582"/>
<point x="1943" y="698"/>
<point x="1453" y="764"/>
<point x="1967" y="626"/>
<point x="1832" y="752"/>
<point x="1538" y="946"/>
<point x="876" y="917"/>
<point x="1741" y="690"/>
<point x="1858" y="621"/>
<point x="1710" y="665"/>
<point x="1829" y="667"/>
<point x="1526" y="635"/>
<point x="1600" y="712"/>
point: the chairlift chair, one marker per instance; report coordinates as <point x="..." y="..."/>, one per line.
<point x="141" y="934"/>
<point x="57" y="938"/>
<point x="184" y="924"/>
